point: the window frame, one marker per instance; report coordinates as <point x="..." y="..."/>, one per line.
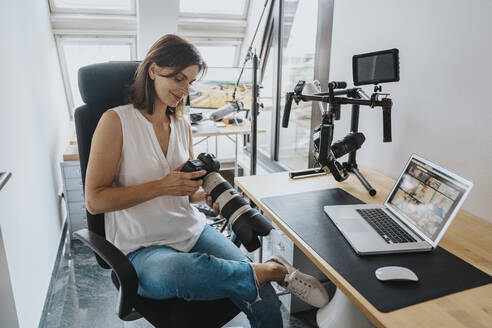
<point x="226" y="43"/>
<point x="83" y="39"/>
<point x="101" y="25"/>
<point x="242" y="16"/>
<point x="61" y="10"/>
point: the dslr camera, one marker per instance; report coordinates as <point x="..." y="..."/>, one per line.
<point x="247" y="223"/>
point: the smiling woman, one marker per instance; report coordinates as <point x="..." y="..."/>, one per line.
<point x="171" y="64"/>
<point x="134" y="177"/>
<point x="170" y="87"/>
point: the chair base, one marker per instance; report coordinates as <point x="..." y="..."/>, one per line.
<point x="178" y="313"/>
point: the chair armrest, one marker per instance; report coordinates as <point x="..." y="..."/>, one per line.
<point x="122" y="267"/>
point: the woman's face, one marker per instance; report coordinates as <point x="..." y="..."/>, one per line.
<point x="171" y="90"/>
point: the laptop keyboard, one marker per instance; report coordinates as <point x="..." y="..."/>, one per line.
<point x="385" y="226"/>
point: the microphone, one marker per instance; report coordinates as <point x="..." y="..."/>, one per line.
<point x="235" y="106"/>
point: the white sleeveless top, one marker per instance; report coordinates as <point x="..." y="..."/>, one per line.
<point x="165" y="220"/>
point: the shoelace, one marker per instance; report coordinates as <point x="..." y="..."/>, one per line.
<point x="297" y="286"/>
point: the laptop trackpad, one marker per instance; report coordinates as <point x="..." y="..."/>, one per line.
<point x="353" y="225"/>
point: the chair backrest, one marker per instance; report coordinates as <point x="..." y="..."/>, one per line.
<point x="102" y="87"/>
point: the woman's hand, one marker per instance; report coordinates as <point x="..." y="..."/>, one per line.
<point x="214" y="206"/>
<point x="178" y="183"/>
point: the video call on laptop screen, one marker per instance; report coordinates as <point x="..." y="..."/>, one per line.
<point x="427" y="197"/>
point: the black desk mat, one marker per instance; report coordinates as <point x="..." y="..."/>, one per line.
<point x="440" y="272"/>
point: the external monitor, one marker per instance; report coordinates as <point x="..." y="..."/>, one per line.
<point x="376" y="67"/>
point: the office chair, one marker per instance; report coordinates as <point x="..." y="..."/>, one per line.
<point x="103" y="86"/>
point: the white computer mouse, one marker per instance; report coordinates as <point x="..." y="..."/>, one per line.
<point x="395" y="273"/>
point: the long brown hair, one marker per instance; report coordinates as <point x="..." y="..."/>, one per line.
<point x="169" y="51"/>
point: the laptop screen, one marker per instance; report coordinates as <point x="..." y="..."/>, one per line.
<point x="427" y="196"/>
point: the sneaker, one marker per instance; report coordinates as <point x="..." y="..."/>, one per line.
<point x="306" y="287"/>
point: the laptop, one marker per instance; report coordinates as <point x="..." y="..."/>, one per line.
<point x="418" y="211"/>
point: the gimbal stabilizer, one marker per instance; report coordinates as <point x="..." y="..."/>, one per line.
<point x="326" y="153"/>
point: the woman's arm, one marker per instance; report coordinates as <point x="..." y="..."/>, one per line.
<point x="101" y="196"/>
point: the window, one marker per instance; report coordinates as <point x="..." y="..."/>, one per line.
<point x="298" y="64"/>
<point x="214" y="7"/>
<point x="265" y="115"/>
<point x="218" y="56"/>
<point x="93" y="6"/>
<point x="78" y="52"/>
<point x="216" y="27"/>
<point x="89" y="32"/>
<point x="217" y="88"/>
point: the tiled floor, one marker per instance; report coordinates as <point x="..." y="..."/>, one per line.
<point x="84" y="296"/>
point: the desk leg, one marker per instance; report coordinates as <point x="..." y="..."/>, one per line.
<point x="340" y="312"/>
<point x="235" y="158"/>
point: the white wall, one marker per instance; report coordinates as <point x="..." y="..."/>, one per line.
<point x="154" y="19"/>
<point x="34" y="128"/>
<point x="441" y="106"/>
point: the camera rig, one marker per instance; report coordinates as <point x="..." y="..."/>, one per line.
<point x="325" y="151"/>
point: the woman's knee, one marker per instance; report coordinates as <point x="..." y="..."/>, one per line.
<point x="166" y="273"/>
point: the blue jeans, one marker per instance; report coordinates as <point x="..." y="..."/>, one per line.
<point x="214" y="268"/>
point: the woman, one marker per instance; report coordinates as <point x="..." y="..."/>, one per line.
<point x="134" y="177"/>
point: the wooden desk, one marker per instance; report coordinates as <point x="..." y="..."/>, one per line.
<point x="207" y="129"/>
<point x="468" y="238"/>
<point x="242" y="128"/>
<point x="71" y="153"/>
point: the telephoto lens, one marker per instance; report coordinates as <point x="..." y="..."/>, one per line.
<point x="247" y="223"/>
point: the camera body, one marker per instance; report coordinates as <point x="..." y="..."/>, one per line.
<point x="205" y="161"/>
<point x="247" y="223"/>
